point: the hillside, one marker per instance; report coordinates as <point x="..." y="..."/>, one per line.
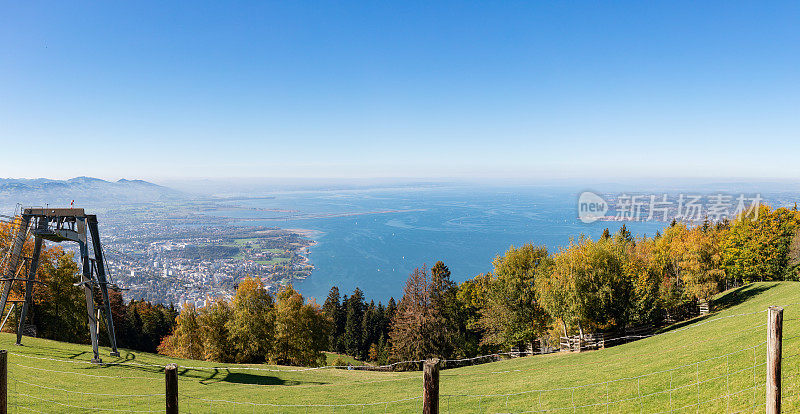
<point x="86" y="191"/>
<point x="725" y="351"/>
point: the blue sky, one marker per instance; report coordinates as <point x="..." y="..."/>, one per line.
<point x="526" y="90"/>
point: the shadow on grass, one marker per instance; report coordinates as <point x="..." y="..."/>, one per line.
<point x="740" y="295"/>
<point x="126" y="362"/>
<point x="219" y="376"/>
<point x="726" y="300"/>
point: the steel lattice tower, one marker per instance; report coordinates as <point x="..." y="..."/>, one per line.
<point x="60" y="225"/>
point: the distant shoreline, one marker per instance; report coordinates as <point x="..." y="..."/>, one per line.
<point x="310" y="216"/>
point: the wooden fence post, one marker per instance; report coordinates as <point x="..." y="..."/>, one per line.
<point x="3" y="382"/>
<point x="430" y="383"/>
<point x="171" y="377"/>
<point x="774" y="338"/>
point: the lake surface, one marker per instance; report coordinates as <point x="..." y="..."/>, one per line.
<point x="374" y="238"/>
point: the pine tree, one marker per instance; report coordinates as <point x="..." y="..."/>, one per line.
<point x="341" y="321"/>
<point x="444" y="300"/>
<point x="353" y="323"/>
<point x="383" y="351"/>
<point x="333" y="310"/>
<point x="419" y="330"/>
<point x="624" y="234"/>
<point x="381" y="320"/>
<point x="371" y="327"/>
<point x="388" y="316"/>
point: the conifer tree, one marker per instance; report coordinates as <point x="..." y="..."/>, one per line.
<point x="332" y="308"/>
<point x="389" y="314"/>
<point x="624" y="234"/>
<point x="419" y="330"/>
<point x="444" y="300"/>
<point x="353" y="330"/>
<point x="373" y="328"/>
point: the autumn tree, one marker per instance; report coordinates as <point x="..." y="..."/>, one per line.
<point x="604" y="288"/>
<point x="252" y="322"/>
<point x="758" y="248"/>
<point x="667" y="259"/>
<point x="586" y="286"/>
<point x="419" y="330"/>
<point x="555" y="289"/>
<point x="214" y="320"/>
<point x="59" y="309"/>
<point x="641" y="270"/>
<point x="472" y="298"/>
<point x="186" y="340"/>
<point x="301" y="330"/>
<point x="701" y="264"/>
<point x="512" y="315"/>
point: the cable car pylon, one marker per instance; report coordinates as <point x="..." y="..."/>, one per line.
<point x="60" y="225"/>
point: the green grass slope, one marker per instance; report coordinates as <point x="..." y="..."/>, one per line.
<point x="717" y="360"/>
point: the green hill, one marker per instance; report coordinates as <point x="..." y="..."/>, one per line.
<point x="717" y="360"/>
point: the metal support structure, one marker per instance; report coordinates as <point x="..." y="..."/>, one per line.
<point x="14" y="258"/>
<point x="34" y="265"/>
<point x="7" y="315"/>
<point x="59" y="225"/>
<point x="103" y="282"/>
<point x="86" y="281"/>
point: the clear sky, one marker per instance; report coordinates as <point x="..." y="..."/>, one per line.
<point x="534" y="89"/>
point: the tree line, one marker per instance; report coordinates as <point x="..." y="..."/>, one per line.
<point x="253" y="327"/>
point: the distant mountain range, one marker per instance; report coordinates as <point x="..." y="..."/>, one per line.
<point x="86" y="191"/>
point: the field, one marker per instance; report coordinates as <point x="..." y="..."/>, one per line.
<point x="716" y="361"/>
<point x="248" y="246"/>
<point x="330" y="359"/>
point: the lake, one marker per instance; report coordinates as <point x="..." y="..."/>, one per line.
<point x="374" y="238"/>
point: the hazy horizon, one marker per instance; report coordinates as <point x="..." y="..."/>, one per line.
<point x="245" y="185"/>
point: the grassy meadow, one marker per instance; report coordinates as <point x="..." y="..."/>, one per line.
<point x="717" y="360"/>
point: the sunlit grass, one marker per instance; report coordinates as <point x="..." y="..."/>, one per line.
<point x="651" y="375"/>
